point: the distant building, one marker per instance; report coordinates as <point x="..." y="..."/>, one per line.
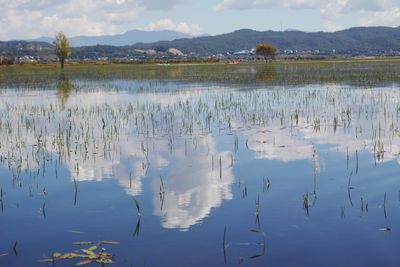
<point x="243" y="53"/>
<point x="175" y="52"/>
<point x="288" y="52"/>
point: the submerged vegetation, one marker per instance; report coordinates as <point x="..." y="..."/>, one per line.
<point x="351" y="72"/>
<point x="96" y="253"/>
<point x="172" y="147"/>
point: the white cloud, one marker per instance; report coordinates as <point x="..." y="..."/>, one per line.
<point x="249" y="4"/>
<point x="363" y="5"/>
<point x="163" y="4"/>
<point x="169" y="24"/>
<point x="24" y="19"/>
<point x="331" y="26"/>
<point x="14" y="23"/>
<point x="384" y="18"/>
<point x="374" y="12"/>
<point x="74" y="26"/>
<point x="338" y="5"/>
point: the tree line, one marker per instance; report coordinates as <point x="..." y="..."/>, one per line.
<point x="63" y="51"/>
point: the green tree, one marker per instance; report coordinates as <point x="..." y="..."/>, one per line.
<point x="63" y="49"/>
<point x="268" y="51"/>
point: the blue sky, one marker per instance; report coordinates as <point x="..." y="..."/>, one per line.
<point x="23" y="19"/>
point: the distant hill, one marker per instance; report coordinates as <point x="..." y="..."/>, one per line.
<point x="22" y="47"/>
<point x="128" y="38"/>
<point x="361" y="40"/>
<point x="353" y="41"/>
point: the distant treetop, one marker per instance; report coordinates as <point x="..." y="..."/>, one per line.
<point x="268" y="51"/>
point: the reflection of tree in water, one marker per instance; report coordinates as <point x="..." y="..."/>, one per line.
<point x="266" y="74"/>
<point x="174" y="73"/>
<point x="64" y="88"/>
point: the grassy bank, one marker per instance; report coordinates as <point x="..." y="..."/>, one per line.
<point x="353" y="71"/>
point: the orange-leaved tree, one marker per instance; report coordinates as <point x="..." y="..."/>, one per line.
<point x="268" y="51"/>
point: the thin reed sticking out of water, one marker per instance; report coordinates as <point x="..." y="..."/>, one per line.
<point x="384" y="204"/>
<point x="224" y="246"/>
<point x="137" y="205"/>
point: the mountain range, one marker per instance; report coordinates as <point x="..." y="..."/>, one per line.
<point x="353" y="41"/>
<point x="127" y="38"/>
<point x="358" y="40"/>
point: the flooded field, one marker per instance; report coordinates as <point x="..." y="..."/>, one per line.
<point x="290" y="164"/>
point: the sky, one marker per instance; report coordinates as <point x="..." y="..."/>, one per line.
<point x="25" y="19"/>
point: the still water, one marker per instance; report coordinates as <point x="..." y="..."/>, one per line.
<point x="180" y="173"/>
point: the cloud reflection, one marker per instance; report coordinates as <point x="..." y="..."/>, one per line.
<point x="132" y="136"/>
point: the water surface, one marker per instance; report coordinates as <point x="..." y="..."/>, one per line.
<point x="223" y="172"/>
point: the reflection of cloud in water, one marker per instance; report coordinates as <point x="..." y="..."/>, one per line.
<point x="192" y="186"/>
<point x="127" y="166"/>
<point x="366" y="120"/>
<point x="285" y="144"/>
<point x="111" y="136"/>
<point x="276" y="143"/>
<point x="346" y="142"/>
